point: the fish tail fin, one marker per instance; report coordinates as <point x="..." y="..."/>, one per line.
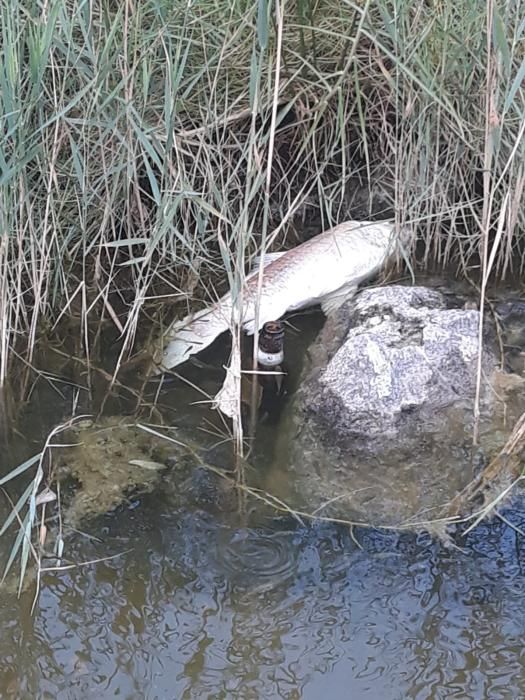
<point x="191" y="335"/>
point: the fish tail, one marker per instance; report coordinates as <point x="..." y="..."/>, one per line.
<point x="192" y="334"/>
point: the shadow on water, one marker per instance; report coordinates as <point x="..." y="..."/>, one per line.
<point x="203" y="603"/>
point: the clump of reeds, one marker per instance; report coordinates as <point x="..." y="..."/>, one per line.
<point x="149" y="148"/>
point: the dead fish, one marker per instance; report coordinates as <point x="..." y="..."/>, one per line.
<point x="324" y="270"/>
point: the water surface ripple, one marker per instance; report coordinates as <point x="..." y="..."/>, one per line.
<point x="201" y="609"/>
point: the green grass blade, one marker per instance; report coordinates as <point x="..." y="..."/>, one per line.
<point x="17" y="544"/>
<point x="21" y="468"/>
<point x="15" y="512"/>
<point x="262" y="23"/>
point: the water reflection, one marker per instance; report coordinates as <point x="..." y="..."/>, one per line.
<point x="200" y="609"/>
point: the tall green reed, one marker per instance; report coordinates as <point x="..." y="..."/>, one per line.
<point x="136" y="139"/>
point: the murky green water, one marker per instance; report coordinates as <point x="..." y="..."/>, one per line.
<point x="202" y="601"/>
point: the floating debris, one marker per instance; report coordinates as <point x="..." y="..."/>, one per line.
<point x="47" y="495"/>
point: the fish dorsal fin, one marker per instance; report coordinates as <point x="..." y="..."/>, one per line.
<point x="269" y="258"/>
<point x="331" y="302"/>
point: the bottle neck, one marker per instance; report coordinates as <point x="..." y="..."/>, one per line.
<point x="271" y="345"/>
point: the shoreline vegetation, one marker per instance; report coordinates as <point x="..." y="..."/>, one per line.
<point x="150" y="150"/>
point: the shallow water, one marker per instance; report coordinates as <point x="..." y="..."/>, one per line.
<point x="203" y="609"/>
<point x="202" y="601"/>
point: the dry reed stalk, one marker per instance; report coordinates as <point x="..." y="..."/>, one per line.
<point x="504" y="469"/>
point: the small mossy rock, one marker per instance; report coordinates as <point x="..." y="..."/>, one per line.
<point x="109" y="460"/>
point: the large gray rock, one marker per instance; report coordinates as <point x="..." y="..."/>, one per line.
<point x="381" y="427"/>
<point x="391" y="360"/>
